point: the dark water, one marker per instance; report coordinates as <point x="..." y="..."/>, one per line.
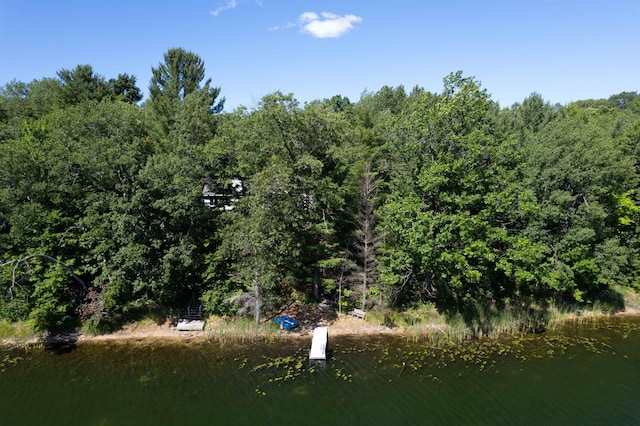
<point x="586" y="374"/>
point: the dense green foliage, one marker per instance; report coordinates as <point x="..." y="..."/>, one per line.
<point x="396" y="200"/>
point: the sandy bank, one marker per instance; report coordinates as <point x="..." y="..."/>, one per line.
<point x="148" y="331"/>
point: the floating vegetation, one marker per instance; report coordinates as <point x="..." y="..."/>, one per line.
<point x="344" y="376"/>
<point x="243" y="362"/>
<point x="281" y="369"/>
<point x="377" y="375"/>
<point x="9" y="361"/>
<point x="391" y="358"/>
<point x="145" y="379"/>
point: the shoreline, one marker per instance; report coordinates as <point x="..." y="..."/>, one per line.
<point x="147" y="331"/>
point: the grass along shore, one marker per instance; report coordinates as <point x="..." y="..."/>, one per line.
<point x="424" y="322"/>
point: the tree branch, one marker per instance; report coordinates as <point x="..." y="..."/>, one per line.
<point x="17" y="262"/>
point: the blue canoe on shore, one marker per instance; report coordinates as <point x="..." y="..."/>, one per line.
<point x="286" y="322"/>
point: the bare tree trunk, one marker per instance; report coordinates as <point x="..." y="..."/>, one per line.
<point x="316" y="283"/>
<point x="368" y="241"/>
<point x="340" y="292"/>
<point x="346" y="264"/>
<point x="365" y="274"/>
<point x="258" y="298"/>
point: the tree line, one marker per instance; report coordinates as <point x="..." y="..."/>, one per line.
<point x="396" y="200"/>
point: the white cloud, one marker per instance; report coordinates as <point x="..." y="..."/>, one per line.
<point x="329" y="26"/>
<point x="325" y="25"/>
<point x="283" y="27"/>
<point x="308" y="17"/>
<point x="230" y="5"/>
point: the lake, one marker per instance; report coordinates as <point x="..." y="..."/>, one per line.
<point x="584" y="373"/>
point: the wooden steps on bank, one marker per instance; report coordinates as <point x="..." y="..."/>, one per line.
<point x="193" y="320"/>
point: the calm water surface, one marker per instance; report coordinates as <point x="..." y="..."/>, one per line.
<point x="586" y="374"/>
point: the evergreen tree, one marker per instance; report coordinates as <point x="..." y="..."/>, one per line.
<point x="182" y="74"/>
<point x="81" y="84"/>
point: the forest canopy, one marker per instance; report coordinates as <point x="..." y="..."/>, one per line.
<point x="111" y="206"/>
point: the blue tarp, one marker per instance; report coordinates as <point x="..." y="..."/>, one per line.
<point x="286" y="322"/>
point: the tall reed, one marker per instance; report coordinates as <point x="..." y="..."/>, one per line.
<point x="240" y="329"/>
<point x="17" y="331"/>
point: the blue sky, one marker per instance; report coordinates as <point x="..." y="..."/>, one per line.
<point x="563" y="49"/>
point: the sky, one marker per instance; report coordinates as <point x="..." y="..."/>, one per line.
<point x="564" y="50"/>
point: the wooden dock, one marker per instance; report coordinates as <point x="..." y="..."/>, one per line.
<point x="319" y="341"/>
